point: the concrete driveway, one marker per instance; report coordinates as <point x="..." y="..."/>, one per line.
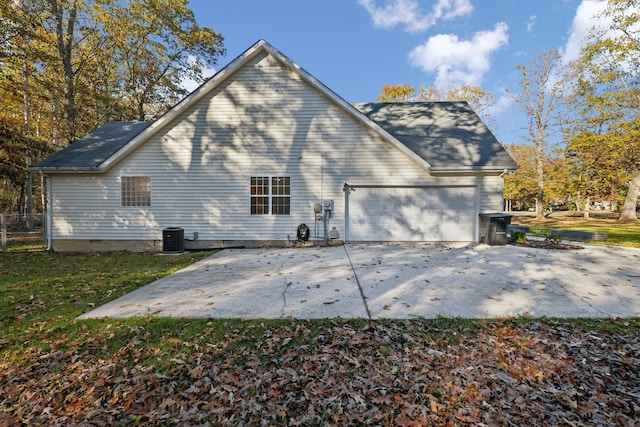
<point x="394" y="280"/>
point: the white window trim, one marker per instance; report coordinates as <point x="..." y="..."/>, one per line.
<point x="270" y="196"/>
<point x="132" y="199"/>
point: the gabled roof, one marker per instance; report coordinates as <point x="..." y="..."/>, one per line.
<point x="448" y="135"/>
<point x="69" y="161"/>
<point x="88" y="153"/>
<point x="433" y="137"/>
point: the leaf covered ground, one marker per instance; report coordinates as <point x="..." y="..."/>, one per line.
<point x="333" y="372"/>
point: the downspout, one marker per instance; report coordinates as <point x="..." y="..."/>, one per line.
<point x="47" y="210"/>
<point x="347" y="190"/>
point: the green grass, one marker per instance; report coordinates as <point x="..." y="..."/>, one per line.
<point x="43" y="292"/>
<point x="618" y="233"/>
<point x="25" y="241"/>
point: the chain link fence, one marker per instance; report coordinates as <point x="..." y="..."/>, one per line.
<point x="21" y="232"/>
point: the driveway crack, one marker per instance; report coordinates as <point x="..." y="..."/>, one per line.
<point x="287" y="283"/>
<point x="364" y="298"/>
<point x="584" y="300"/>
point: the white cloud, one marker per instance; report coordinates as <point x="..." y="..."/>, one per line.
<point x="503" y="105"/>
<point x="583" y="23"/>
<point x="531" y="23"/>
<point x="190" y="84"/>
<point x="409" y="14"/>
<point x="457" y="62"/>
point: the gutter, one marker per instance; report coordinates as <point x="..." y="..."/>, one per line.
<point x="468" y="170"/>
<point x="45" y="170"/>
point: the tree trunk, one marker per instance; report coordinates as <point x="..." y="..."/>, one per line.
<point x="540" y="175"/>
<point x="27" y="130"/>
<point x="141" y="115"/>
<point x="587" y="204"/>
<point x="29" y="185"/>
<point x="540" y="203"/>
<point x="65" y="42"/>
<point x="631" y="201"/>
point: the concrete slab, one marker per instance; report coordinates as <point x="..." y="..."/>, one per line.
<point x="481" y="281"/>
<point x="250" y="283"/>
<point x="394" y="280"/>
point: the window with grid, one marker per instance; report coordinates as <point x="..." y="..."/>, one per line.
<point x="135" y="190"/>
<point x="259" y="195"/>
<point x="270" y="195"/>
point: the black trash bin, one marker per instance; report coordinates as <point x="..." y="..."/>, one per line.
<point x="173" y="240"/>
<point x="493" y="228"/>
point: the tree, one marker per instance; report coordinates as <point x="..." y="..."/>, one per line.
<point x="605" y="141"/>
<point x="13" y="145"/>
<point x="541" y="92"/>
<point x="19" y="57"/>
<point x="479" y="99"/>
<point x="397" y="93"/>
<point x="158" y="45"/>
<point x="521" y="186"/>
<point x="65" y="18"/>
<point x="68" y="66"/>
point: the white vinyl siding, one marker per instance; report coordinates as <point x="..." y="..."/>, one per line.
<point x="264" y="121"/>
<point x="491" y="198"/>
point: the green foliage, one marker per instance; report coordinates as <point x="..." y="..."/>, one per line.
<point x="479" y="99"/>
<point x="604" y="142"/>
<point x="14" y="149"/>
<point x="156" y="46"/>
<point x="68" y="66"/>
<point x="521" y="185"/>
<point x="518" y="236"/>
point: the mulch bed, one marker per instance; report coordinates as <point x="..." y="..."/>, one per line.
<point x="547" y="244"/>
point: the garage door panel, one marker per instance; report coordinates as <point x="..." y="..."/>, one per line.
<point x="412" y="214"/>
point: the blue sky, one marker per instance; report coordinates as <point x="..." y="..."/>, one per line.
<point x="356" y="46"/>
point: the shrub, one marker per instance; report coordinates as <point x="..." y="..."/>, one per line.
<point x="518" y="236"/>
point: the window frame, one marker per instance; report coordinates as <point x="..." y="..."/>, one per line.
<point x="270" y="195"/>
<point x="135" y="191"/>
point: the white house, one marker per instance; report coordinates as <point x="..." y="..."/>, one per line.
<point x="263" y="147"/>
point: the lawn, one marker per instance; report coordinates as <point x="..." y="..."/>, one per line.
<point x="55" y="370"/>
<point x="618" y="233"/>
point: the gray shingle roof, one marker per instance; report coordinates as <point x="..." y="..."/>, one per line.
<point x="448" y="135"/>
<point x="89" y="152"/>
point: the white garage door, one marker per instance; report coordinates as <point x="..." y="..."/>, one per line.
<point x="421" y="214"/>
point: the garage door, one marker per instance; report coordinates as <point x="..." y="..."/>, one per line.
<point x="422" y="214"/>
